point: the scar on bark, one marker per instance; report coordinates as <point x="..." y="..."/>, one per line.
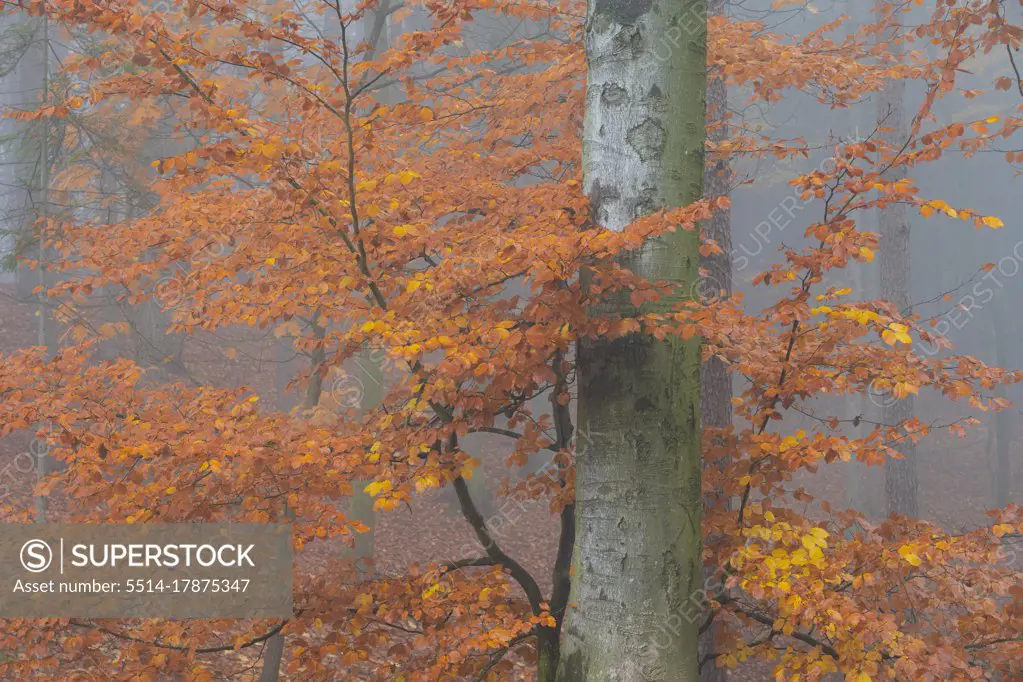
<point x="613" y="94"/>
<point x="648" y="139"/>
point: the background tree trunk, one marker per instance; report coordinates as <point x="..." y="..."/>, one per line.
<point x="1002" y="468"/>
<point x="371" y="381"/>
<point x="716" y="280"/>
<point x="273" y="654"/>
<point x="46" y="329"/>
<point x="636" y="562"/>
<point x="900" y="474"/>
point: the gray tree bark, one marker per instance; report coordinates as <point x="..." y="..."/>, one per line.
<point x="636" y="562"/>
<point x="1002" y="488"/>
<point x="45" y="323"/>
<point x="900" y="474"/>
<point x="715" y="379"/>
<point x="371" y="381"/>
<point x="273" y="654"/>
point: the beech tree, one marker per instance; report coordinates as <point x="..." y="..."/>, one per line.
<point x="901" y="482"/>
<point x="638" y="497"/>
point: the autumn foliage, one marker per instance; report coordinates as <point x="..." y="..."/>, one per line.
<point x="421" y="201"/>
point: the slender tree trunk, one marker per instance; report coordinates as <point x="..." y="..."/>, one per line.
<point x="1003" y="425"/>
<point x="30" y="92"/>
<point x="284" y="353"/>
<point x="636" y="562"/>
<point x="856" y="474"/>
<point x="371" y="381"/>
<point x="715" y="379"/>
<point x="1003" y="441"/>
<point x="45" y="323"/>
<point x="900" y="474"/>
<point x="548" y="639"/>
<point x="273" y="654"/>
<point x="284" y="363"/>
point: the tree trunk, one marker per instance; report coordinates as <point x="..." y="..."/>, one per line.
<point x="715" y="379"/>
<point x="273" y="655"/>
<point x="1003" y="441"/>
<point x="636" y="562"/>
<point x="900" y="474"/>
<point x="45" y="323"/>
<point x="371" y="381"/>
<point x="1003" y="425"/>
<point x="857" y="474"/>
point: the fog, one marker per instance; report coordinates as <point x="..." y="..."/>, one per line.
<point x="108" y="161"/>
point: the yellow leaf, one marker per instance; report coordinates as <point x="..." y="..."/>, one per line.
<point x="866" y="254"/>
<point x="1001" y="529"/>
<point x="427" y="482"/>
<point x="896" y="333"/>
<point x="425" y="115"/>
<point x="909" y="556"/>
<point x="992" y="221"/>
<point x="903" y="388"/>
<point x="377" y="487"/>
